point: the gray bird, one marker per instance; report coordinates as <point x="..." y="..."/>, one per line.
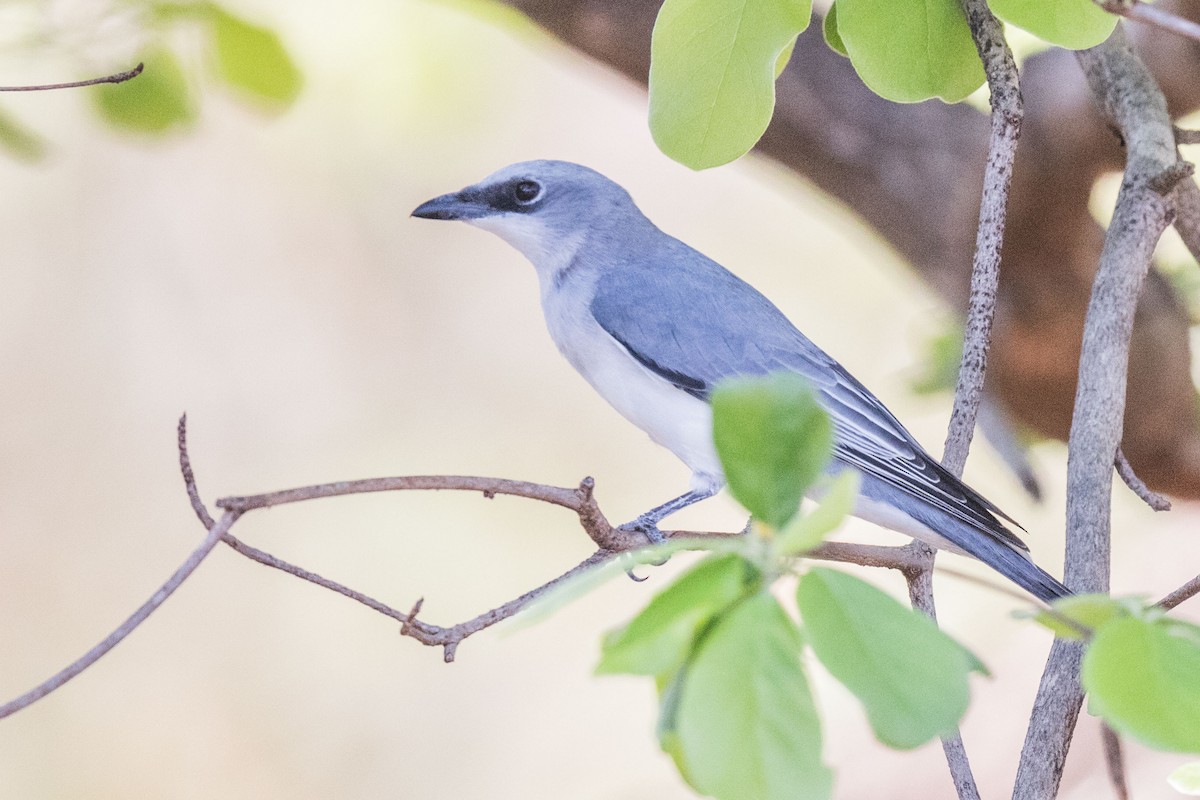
<point x="653" y="325"/>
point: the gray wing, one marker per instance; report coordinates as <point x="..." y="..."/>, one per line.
<point x="693" y="322"/>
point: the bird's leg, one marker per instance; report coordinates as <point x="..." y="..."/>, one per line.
<point x="647" y="523"/>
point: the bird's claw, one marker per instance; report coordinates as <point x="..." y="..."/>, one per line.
<point x="648" y="528"/>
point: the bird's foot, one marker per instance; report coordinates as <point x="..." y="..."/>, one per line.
<point x="647" y="526"/>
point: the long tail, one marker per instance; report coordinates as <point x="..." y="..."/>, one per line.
<point x="1018" y="567"/>
<point x="998" y="548"/>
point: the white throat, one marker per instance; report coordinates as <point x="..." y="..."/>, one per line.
<point x="548" y="251"/>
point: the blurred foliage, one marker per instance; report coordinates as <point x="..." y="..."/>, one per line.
<point x="1184" y="279"/>
<point x="19" y="140"/>
<point x="1186" y="779"/>
<point x="736" y="711"/>
<point x="155" y="102"/>
<point x="939" y="368"/>
<point x="253" y="60"/>
<point x="248" y="59"/>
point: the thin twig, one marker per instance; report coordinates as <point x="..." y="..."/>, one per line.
<point x="1138" y="486"/>
<point x="1152" y="15"/>
<point x="129" y="625"/>
<point x="1007" y="113"/>
<point x="580" y="499"/>
<point x="866" y="555"/>
<point x="1186" y="136"/>
<point x="1130" y="98"/>
<point x="449" y="638"/>
<point x="119" y="77"/>
<point x="1185" y="592"/>
<point x="1114" y="758"/>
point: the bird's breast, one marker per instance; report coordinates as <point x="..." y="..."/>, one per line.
<point x="670" y="416"/>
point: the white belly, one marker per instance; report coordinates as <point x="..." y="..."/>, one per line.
<point x="671" y="417"/>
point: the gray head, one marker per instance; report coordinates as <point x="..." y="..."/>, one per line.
<point x="545" y="209"/>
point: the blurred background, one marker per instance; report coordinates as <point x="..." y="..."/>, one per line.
<point x="253" y="263"/>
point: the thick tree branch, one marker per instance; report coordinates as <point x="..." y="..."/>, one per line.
<point x="1128" y="95"/>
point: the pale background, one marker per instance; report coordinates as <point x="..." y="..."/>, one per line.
<point x="263" y="274"/>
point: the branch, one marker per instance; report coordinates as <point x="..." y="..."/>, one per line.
<point x="1114" y="758"/>
<point x="1185" y="592"/>
<point x="1007" y="113"/>
<point x="127" y="627"/>
<point x="1151" y="15"/>
<point x="119" y="77"/>
<point x="1137" y="486"/>
<point x="580" y="500"/>
<point x="1126" y="91"/>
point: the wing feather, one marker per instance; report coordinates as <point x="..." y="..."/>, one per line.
<point x="698" y="323"/>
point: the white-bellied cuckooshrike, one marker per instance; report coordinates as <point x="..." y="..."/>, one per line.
<point x="653" y="325"/>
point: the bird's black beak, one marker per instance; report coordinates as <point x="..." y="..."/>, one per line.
<point x="459" y="205"/>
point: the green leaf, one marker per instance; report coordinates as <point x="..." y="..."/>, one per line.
<point x="1076" y="24"/>
<point x="712" y="74"/>
<point x="784" y="57"/>
<point x="253" y="60"/>
<point x="1186" y="779"/>
<point x="741" y="722"/>
<point x="20" y="141"/>
<point x="1144" y="678"/>
<point x="807" y="531"/>
<point x="911" y="50"/>
<point x="1090" y="611"/>
<point x="910" y="676"/>
<point x="773" y="439"/>
<point x="587" y="581"/>
<point x="658" y="639"/>
<point x="830" y="30"/>
<point x="154" y="102"/>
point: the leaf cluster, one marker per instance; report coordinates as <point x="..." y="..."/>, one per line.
<point x="714" y="62"/>
<point x="737" y="713"/>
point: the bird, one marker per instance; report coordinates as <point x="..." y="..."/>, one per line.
<point x="653" y="325"/>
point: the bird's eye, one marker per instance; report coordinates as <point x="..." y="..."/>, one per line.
<point x="527" y="191"/>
